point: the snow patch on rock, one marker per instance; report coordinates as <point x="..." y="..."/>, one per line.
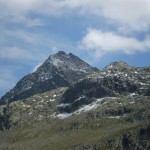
<point x="83" y="109"/>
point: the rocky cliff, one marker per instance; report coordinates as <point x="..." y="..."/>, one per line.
<point x="58" y="70"/>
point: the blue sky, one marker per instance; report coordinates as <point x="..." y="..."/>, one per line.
<point x="99" y="32"/>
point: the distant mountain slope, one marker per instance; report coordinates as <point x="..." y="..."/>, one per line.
<point x="117" y="79"/>
<point x="58" y="70"/>
<point x="108" y="123"/>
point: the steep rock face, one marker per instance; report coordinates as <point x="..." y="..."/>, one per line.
<point x="117" y="79"/>
<point x="58" y="70"/>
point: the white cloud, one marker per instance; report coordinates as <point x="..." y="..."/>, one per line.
<point x="132" y="13"/>
<point x="100" y="43"/>
<point x="22" y="8"/>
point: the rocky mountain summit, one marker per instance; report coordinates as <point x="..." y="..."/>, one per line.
<point x="67" y="104"/>
<point x="58" y="70"/>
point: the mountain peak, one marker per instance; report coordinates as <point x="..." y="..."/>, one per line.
<point x="69" y="62"/>
<point x="117" y="65"/>
<point x="59" y="70"/>
<point x="59" y="53"/>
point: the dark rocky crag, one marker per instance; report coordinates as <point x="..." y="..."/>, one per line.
<point x="117" y="79"/>
<point x="59" y="70"/>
